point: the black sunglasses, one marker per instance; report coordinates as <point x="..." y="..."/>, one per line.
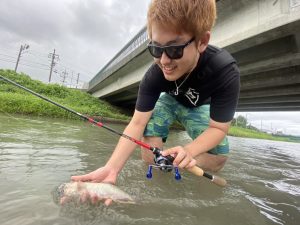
<point x="172" y="51"/>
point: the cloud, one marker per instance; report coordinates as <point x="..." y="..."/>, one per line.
<point x="86" y="33"/>
<point x="37" y="21"/>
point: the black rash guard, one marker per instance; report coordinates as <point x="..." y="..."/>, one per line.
<point x="219" y="88"/>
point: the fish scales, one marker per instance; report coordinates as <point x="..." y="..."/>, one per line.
<point x="73" y="190"/>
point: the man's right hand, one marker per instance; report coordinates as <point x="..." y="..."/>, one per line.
<point x="103" y="175"/>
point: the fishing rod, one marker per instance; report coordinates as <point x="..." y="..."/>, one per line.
<point x="165" y="163"/>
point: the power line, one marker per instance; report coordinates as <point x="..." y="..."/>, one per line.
<point x="41" y="64"/>
<point x="8" y="49"/>
<point x="46" y="69"/>
<point x="35" y="61"/>
<point x="39" y="53"/>
<point x="24" y="60"/>
<point x="38" y="56"/>
<point x="9" y="56"/>
<point x="23" y="64"/>
<point x="78" y="67"/>
<point x="20" y="63"/>
<point x="8" y="60"/>
<point x="62" y="65"/>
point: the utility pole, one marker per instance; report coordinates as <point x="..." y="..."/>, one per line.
<point x="271" y="128"/>
<point x="64" y="76"/>
<point x="77" y="80"/>
<point x="22" y="48"/>
<point x="247" y="120"/>
<point x="53" y="57"/>
<point x="71" y="79"/>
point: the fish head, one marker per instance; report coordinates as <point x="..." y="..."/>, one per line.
<point x="58" y="193"/>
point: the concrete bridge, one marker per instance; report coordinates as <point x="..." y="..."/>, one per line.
<point x="263" y="36"/>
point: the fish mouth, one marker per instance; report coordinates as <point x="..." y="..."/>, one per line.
<point x="58" y="193"/>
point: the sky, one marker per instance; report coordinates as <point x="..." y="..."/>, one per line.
<point x="86" y="34"/>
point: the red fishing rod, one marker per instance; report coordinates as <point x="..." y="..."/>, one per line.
<point x="165" y="161"/>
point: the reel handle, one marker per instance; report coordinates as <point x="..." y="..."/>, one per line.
<point x="197" y="171"/>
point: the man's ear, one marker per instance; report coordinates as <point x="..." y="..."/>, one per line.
<point x="203" y="42"/>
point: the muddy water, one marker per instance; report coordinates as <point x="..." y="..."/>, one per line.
<point x="37" y="154"/>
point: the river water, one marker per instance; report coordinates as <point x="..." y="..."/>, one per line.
<point x="38" y="154"/>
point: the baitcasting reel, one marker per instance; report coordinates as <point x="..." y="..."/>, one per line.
<point x="164" y="163"/>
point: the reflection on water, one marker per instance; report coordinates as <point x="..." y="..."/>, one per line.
<point x="36" y="155"/>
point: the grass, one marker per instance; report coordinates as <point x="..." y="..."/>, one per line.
<point x="248" y="133"/>
<point x="16" y="100"/>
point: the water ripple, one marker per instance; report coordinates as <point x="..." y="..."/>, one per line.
<point x="37" y="155"/>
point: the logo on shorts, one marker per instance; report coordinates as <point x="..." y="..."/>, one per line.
<point x="192" y="95"/>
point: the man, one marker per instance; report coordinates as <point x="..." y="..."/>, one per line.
<point x="188" y="82"/>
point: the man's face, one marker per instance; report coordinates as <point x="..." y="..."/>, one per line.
<point x="173" y="69"/>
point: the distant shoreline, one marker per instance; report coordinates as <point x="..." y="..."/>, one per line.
<point x="14" y="100"/>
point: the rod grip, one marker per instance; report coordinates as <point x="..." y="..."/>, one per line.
<point x="219" y="181"/>
<point x="215" y="179"/>
<point x="196" y="170"/>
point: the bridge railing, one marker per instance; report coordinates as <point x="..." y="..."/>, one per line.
<point x="122" y="57"/>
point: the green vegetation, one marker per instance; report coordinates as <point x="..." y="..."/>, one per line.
<point x="16" y="100"/>
<point x="240" y="128"/>
<point x="249" y="133"/>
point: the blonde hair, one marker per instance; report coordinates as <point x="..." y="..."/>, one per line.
<point x="191" y="16"/>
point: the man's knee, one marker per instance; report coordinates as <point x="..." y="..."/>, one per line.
<point x="210" y="162"/>
<point x="220" y="163"/>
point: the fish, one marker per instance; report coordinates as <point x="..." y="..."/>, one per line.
<point x="72" y="191"/>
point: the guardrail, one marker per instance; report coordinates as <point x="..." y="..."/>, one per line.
<point x="122" y="57"/>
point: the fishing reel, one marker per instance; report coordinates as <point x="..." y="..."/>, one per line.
<point x="164" y="163"/>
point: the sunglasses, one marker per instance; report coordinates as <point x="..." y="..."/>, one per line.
<point x="172" y="51"/>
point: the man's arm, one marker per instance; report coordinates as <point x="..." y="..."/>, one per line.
<point x="125" y="147"/>
<point x="209" y="139"/>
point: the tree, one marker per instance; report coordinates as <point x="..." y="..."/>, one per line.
<point x="240" y="121"/>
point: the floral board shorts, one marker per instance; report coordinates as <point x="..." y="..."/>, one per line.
<point x="195" y="121"/>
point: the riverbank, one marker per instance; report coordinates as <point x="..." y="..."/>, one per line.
<point x="249" y="133"/>
<point x="17" y="101"/>
<point x="14" y="100"/>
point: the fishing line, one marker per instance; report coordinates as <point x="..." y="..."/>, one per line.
<point x="156" y="151"/>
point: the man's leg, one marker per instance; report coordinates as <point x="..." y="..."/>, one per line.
<point x="195" y="121"/>
<point x="210" y="162"/>
<point x="157" y="129"/>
